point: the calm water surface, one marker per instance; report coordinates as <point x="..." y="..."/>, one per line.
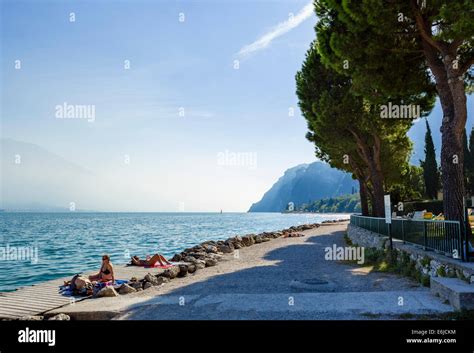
<point x="62" y="244"/>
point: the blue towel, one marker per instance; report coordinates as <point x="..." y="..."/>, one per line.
<point x="66" y="290"/>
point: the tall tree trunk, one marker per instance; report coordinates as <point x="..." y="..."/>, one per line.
<point x="364" y="203"/>
<point x="371" y="157"/>
<point x="360" y="173"/>
<point x="441" y="59"/>
<point x="378" y="193"/>
<point x="450" y="88"/>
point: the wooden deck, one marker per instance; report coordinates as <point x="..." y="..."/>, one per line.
<point x="40" y="298"/>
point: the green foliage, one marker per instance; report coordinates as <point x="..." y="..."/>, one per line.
<point x="368" y="37"/>
<point x="425" y="261"/>
<point x="345" y="127"/>
<point x="441" y="271"/>
<point x="386" y="260"/>
<point x="341" y="204"/>
<point x="430" y="166"/>
<point x="348" y="240"/>
<point x="410" y="187"/>
<point x="406" y="52"/>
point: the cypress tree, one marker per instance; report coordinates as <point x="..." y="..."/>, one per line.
<point x="430" y="166"/>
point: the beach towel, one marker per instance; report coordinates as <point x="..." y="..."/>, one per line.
<point x="173" y="263"/>
<point x="157" y="265"/>
<point x="116" y="285"/>
<point x="66" y="290"/>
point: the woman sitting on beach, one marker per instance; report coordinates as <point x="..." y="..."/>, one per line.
<point x="150" y="261"/>
<point x="106" y="272"/>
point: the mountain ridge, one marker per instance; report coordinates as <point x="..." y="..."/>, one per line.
<point x="302" y="184"/>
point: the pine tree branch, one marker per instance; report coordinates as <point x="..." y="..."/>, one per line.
<point x="425" y="30"/>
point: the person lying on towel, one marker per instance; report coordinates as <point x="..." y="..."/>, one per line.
<point x="150" y="261"/>
<point x="106" y="272"/>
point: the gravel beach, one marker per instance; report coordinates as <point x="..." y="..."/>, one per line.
<point x="285" y="278"/>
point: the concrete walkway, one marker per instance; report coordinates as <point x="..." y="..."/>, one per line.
<point x="286" y="278"/>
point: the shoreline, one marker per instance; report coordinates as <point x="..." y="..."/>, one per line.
<point x="120" y="262"/>
<point x="178" y="276"/>
<point x="258" y="283"/>
<point x="212" y="257"/>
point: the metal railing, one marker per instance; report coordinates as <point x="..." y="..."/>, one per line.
<point x="441" y="236"/>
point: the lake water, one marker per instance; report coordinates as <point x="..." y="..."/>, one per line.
<point x="53" y="245"/>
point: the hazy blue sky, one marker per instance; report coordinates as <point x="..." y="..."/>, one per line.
<point x="174" y="160"/>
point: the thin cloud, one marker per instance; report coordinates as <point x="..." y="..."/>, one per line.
<point x="277" y="31"/>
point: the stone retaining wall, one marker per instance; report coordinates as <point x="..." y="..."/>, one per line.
<point x="429" y="263"/>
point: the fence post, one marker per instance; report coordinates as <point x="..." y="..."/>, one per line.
<point x="403" y="231"/>
<point x="425" y="236"/>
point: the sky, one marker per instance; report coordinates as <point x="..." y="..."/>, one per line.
<point x="174" y="64"/>
<point x="194" y="101"/>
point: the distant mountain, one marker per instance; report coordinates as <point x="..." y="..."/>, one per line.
<point x="34" y="179"/>
<point x="305" y="183"/>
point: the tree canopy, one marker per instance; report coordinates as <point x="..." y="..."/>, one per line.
<point x="401" y="51"/>
<point x="347" y="131"/>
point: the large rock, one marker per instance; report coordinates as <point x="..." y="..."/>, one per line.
<point x="160" y="279"/>
<point x="107" y="291"/>
<point x="211" y="249"/>
<point x="198" y="255"/>
<point x="210" y="262"/>
<point x="60" y="317"/>
<point x="126" y="289"/>
<point x="192" y="268"/>
<point x="230" y="243"/>
<point x="235" y="242"/>
<point x="147" y="285"/>
<point x="197" y="248"/>
<point x="183" y="271"/>
<point x="171" y="272"/>
<point x="216" y="257"/>
<point x="189" y="259"/>
<point x="200" y="264"/>
<point x="226" y="249"/>
<point x="135" y="284"/>
<point x="248" y="240"/>
<point x="176" y="258"/>
<point x="151" y="278"/>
